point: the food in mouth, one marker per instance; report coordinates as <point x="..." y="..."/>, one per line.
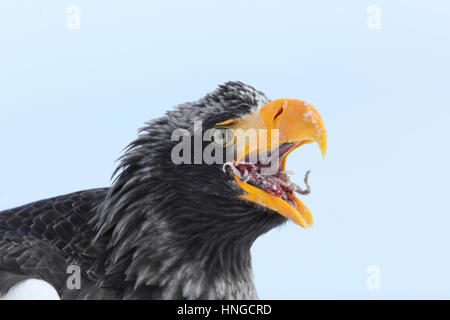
<point x="277" y="184"/>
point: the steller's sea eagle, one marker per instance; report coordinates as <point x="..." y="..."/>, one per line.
<point x="170" y="228"/>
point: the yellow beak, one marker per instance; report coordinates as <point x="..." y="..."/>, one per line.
<point x="281" y="121"/>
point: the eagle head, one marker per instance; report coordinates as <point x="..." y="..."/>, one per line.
<point x="202" y="182"/>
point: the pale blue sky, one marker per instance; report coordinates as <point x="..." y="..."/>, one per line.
<point x="70" y="100"/>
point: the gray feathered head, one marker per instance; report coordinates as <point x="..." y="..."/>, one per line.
<point x="161" y="210"/>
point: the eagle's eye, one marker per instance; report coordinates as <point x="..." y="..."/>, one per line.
<point x="222" y="136"/>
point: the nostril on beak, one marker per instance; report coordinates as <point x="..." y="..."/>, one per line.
<point x="280" y="111"/>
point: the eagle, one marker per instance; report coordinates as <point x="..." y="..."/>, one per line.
<point x="173" y="224"/>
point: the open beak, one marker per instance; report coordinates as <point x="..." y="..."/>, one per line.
<point x="279" y="123"/>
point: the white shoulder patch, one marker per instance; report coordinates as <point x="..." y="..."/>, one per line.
<point x="32" y="289"/>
